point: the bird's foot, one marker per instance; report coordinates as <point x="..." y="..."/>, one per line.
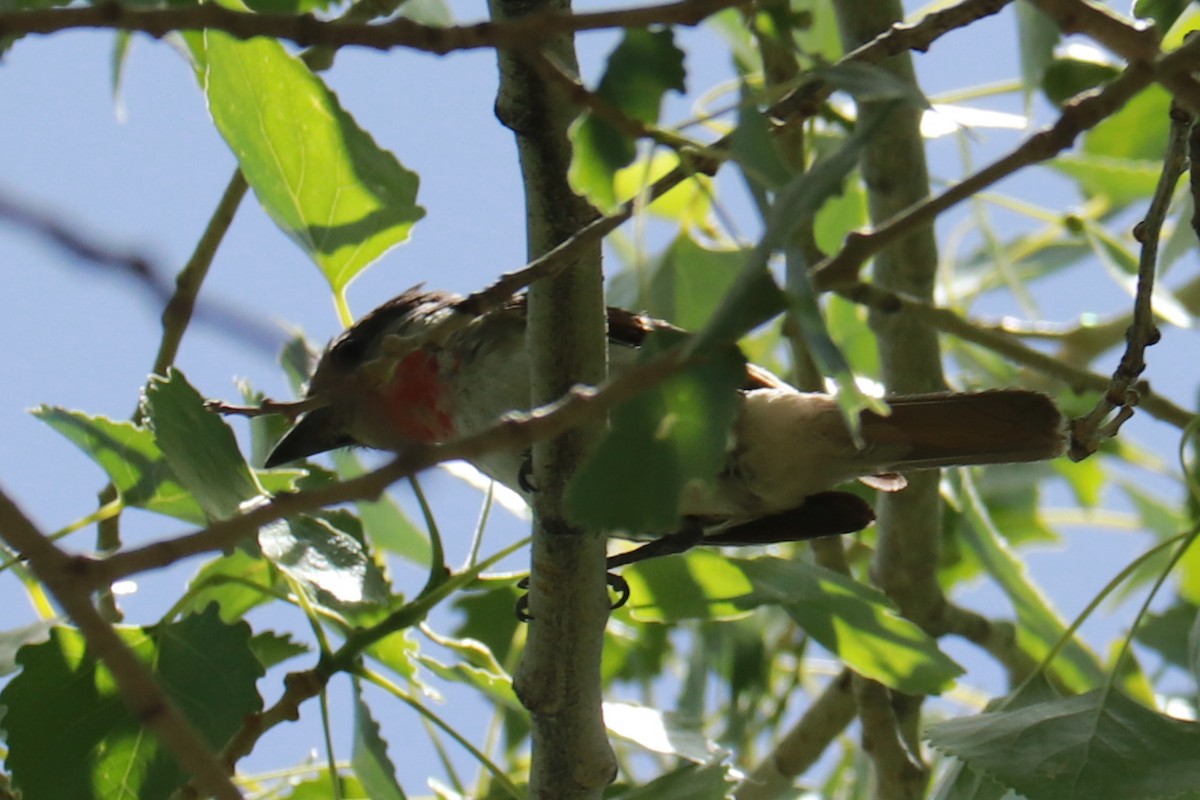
<point x="615" y="582"/>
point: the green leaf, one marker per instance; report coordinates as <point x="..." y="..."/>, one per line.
<point x="660" y="732"/>
<point x="66" y="703"/>
<point x="676" y="432"/>
<point x="369" y="757"/>
<point x="1121" y="180"/>
<point x="427" y="12"/>
<point x="642" y="68"/>
<point x="713" y="781"/>
<point x="753" y="148"/>
<point x="272" y="648"/>
<point x="699" y="585"/>
<point x="497" y="687"/>
<point x="855" y="622"/>
<point x="236" y="582"/>
<point x="322" y="788"/>
<point x="1169" y="633"/>
<point x="199" y="446"/>
<point x="131" y="459"/>
<point x="1162" y="12"/>
<point x="1066" y="77"/>
<point x="754" y="296"/>
<point x="385" y="523"/>
<point x="321" y="177"/>
<point x="330" y="563"/>
<point x="1040" y="626"/>
<point x="871" y="83"/>
<point x="13" y="639"/>
<point x="1136" y="132"/>
<point x="841" y="213"/>
<point x="487" y="616"/>
<point x="1100" y="744"/>
<point x="687" y="204"/>
<point x="1038" y="36"/>
<point x="690" y="281"/>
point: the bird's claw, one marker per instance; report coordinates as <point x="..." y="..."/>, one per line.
<point x="614" y="581"/>
<point x="621" y="587"/>
<point x="525" y="473"/>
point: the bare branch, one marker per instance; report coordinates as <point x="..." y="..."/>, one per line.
<point x="1088" y="432"/>
<point x="308" y="31"/>
<point x="949" y="321"/>
<point x="801" y="746"/>
<point x="1083" y="112"/>
<point x="1136" y="43"/>
<point x="899" y="772"/>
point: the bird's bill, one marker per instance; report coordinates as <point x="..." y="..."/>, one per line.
<point x="317" y="432"/>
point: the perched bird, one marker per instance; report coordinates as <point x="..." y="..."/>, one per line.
<point x="788" y="448"/>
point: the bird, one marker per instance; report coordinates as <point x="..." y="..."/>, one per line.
<point x="787" y="452"/>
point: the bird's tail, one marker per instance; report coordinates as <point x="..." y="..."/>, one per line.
<point x="1000" y="426"/>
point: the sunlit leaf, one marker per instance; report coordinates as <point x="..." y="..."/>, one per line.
<point x="856" y="622"/>
<point x="199" y="446"/>
<point x="321" y="177"/>
<point x="1100" y="744"/>
<point x="129" y="456"/>
<point x="688" y="203"/>
<point x="642" y="68"/>
<point x="659" y="732"/>
<point x="333" y="565"/>
<point x="1122" y="181"/>
<point x="1162" y="12"/>
<point x="699" y="585"/>
<point x="236" y="582"/>
<point x="1040" y="625"/>
<point x="1137" y="131"/>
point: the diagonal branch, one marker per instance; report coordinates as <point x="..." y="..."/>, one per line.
<point x="146" y="700"/>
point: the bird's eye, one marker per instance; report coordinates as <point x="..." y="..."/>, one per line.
<point x="349" y="350"/>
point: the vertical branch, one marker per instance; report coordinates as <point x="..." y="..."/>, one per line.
<point x="1123" y="393"/>
<point x="893" y="167"/>
<point x="909" y="534"/>
<point x="559" y="677"/>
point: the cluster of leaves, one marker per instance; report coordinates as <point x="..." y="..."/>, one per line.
<point x="745" y="630"/>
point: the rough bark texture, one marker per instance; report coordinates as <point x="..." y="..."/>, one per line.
<point x="909" y="534"/>
<point x="559" y="677"/>
<point x="893" y="167"/>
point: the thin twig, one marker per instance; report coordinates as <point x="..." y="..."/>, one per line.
<point x="1083" y="112"/>
<point x="804" y="743"/>
<point x="949" y="321"/>
<point x="1122" y="393"/>
<point x="512" y="433"/>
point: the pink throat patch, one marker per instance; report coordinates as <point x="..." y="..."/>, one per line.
<point x="417" y="401"/>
